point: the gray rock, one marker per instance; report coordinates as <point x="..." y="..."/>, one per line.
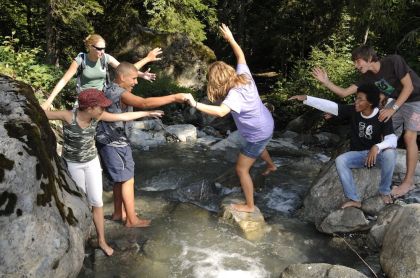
<point x="326" y="195"/>
<point x="400" y="168"/>
<point x="185" y="61"/>
<point x="184" y="132"/>
<point x="44" y="218"/>
<point x="377" y="232"/>
<point x="400" y="254"/>
<point x="143" y="139"/>
<point x="252" y="224"/>
<point x="344" y="220"/>
<point x="320" y="270"/>
<point x="232" y="141"/>
<point x="373" y="205"/>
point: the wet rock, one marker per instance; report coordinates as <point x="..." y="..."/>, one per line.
<point x="320" y="270"/>
<point x="143" y="139"/>
<point x="207" y="140"/>
<point x="344" y="220"/>
<point x="400" y="254"/>
<point x="377" y="232"/>
<point x="184" y="132"/>
<point x="44" y="217"/>
<point x="232" y="141"/>
<point x="252" y="224"/>
<point x="160" y="250"/>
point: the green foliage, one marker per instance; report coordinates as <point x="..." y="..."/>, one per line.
<point x="187" y="16"/>
<point x="23" y="64"/>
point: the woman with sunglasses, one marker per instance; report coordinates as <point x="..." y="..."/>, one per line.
<point x="93" y="74"/>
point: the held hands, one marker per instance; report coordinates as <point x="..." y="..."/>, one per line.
<point x="152" y="55"/>
<point x="156" y="113"/>
<point x="226" y="33"/>
<point x="190" y="99"/>
<point x="371" y="157"/>
<point x="299" y="97"/>
<point x="320" y="74"/>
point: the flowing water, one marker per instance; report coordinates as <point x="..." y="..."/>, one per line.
<point x="180" y="187"/>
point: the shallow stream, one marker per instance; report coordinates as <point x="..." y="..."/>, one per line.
<point x="180" y="187"/>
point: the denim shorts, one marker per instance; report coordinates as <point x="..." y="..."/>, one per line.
<point x="117" y="162"/>
<point x="253" y="149"/>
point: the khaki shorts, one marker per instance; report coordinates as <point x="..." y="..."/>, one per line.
<point x="407" y="117"/>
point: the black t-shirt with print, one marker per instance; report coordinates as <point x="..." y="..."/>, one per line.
<point x="365" y="132"/>
<point x="393" y="69"/>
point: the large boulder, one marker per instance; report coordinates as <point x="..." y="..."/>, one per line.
<point x="326" y="195"/>
<point x="184" y="60"/>
<point x="44" y="218"/>
<point x="400" y="254"/>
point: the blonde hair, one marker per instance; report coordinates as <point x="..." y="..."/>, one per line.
<point x="221" y="78"/>
<point x="92" y="39"/>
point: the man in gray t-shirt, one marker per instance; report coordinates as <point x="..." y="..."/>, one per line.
<point x="113" y="144"/>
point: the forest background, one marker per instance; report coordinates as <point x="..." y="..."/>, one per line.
<point x="288" y="38"/>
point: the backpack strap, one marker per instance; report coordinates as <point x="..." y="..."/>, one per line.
<point x="104" y="64"/>
<point x="80" y="69"/>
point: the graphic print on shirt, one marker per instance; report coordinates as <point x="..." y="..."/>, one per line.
<point x="365" y="132"/>
<point x="384" y="87"/>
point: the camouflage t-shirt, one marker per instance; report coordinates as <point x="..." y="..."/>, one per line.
<point x="79" y="143"/>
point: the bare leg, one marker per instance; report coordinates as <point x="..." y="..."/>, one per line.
<point x="243" y="165"/>
<point x="98" y="220"/>
<point x="128" y="199"/>
<point x="118" y="202"/>
<point x="271" y="167"/>
<point x="412" y="156"/>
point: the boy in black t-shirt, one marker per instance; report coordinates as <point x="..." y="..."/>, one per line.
<point x="371" y="141"/>
<point x="397" y="80"/>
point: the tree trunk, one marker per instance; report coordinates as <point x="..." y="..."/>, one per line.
<point x="52" y="36"/>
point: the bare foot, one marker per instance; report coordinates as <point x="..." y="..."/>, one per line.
<point x="387" y="199"/>
<point x="351" y="203"/>
<point x="106" y="248"/>
<point x="404" y="188"/>
<point x="138" y="223"/>
<point x="242" y="208"/>
<point x="269" y="169"/>
<point x="115" y="217"/>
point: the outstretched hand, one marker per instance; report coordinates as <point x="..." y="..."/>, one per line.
<point x="299" y="97"/>
<point x="156" y="113"/>
<point x="226" y="33"/>
<point x="320" y="74"/>
<point x="149" y="76"/>
<point x="152" y="55"/>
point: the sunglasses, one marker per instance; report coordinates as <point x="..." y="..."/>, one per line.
<point x="98" y="48"/>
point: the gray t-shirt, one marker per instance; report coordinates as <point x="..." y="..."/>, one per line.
<point x="93" y="76"/>
<point x="388" y="79"/>
<point x="114" y="133"/>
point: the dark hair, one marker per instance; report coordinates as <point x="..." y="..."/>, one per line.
<point x="364" y="52"/>
<point x="372" y="93"/>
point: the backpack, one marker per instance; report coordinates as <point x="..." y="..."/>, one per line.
<point x="82" y="66"/>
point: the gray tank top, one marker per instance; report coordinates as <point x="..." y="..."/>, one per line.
<point x="79" y="143"/>
<point x="114" y="133"/>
